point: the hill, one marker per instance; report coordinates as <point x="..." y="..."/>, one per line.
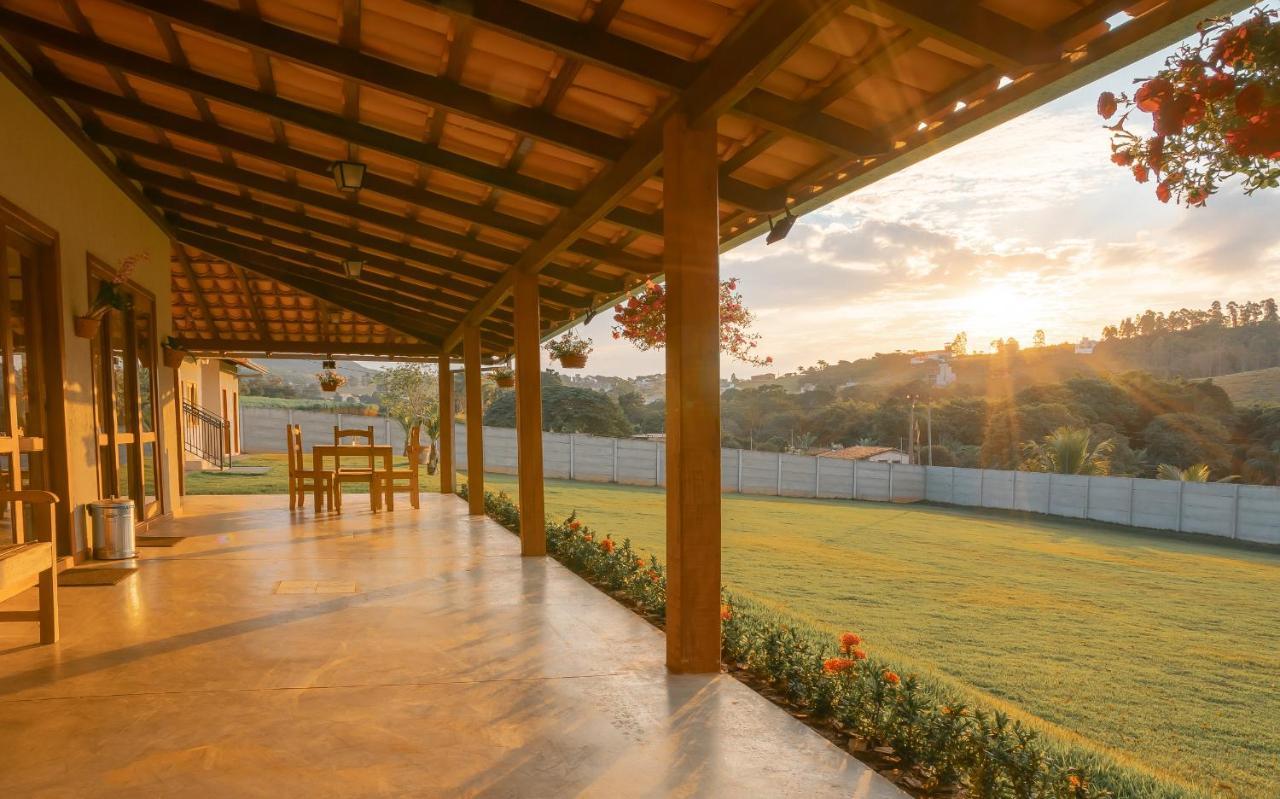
<point x="1259" y="385"/>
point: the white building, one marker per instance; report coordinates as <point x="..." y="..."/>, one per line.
<point x="873" y="454"/>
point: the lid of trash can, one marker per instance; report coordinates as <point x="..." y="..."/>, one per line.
<point x="117" y="502"/>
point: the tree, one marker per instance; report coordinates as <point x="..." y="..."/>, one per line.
<point x="1010" y="425"/>
<point x="408" y="394"/>
<point x="959" y="345"/>
<point x="1038" y="339"/>
<point x="566" y="409"/>
<point x="1067" y="451"/>
<point x="1184" y="439"/>
<point x="1195" y="473"/>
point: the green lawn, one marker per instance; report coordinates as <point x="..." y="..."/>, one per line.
<point x="275" y="480"/>
<point x="1164" y="651"/>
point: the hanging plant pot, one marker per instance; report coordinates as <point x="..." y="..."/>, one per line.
<point x="87" y="326"/>
<point x="573" y="360"/>
<point x="173" y="357"/>
<point x="331" y="383"/>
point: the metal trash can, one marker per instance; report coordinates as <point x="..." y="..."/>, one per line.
<point x="113" y="533"/>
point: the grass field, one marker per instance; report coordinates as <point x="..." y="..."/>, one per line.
<point x="1244" y="388"/>
<point x="1164" y="651"/>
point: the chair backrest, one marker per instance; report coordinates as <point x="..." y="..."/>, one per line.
<point x="293" y="444"/>
<point x="413" y="443"/>
<point x="366" y="434"/>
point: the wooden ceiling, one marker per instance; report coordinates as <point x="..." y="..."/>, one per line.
<point x="504" y="136"/>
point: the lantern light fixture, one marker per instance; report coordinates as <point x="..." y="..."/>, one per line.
<point x="329" y="364"/>
<point x="779" y="230"/>
<point x="348" y="174"/>
<point x="353" y="266"/>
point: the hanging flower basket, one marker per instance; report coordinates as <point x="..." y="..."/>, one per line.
<point x="330" y="380"/>
<point x="173" y="357"/>
<point x="570" y="350"/>
<point x="87" y="326"/>
<point x="1214" y="113"/>
<point x="504" y="378"/>
<point x="642" y="320"/>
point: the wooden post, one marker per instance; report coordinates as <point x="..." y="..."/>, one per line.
<point x="533" y="516"/>
<point x="475" y="420"/>
<point x="446" y="424"/>
<point x="691" y="261"/>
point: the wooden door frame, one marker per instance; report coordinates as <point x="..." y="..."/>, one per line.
<point x="100" y="270"/>
<point x="53" y="359"/>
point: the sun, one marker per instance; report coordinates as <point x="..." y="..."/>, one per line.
<point x="1000" y="311"/>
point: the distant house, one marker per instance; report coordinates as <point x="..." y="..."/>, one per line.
<point x="210" y="389"/>
<point x="945" y="376"/>
<point x="874" y="454"/>
<point x="764" y="378"/>
<point x="1085" y="346"/>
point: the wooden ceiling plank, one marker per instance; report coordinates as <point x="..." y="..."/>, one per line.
<point x="775" y="29"/>
<point x="224" y="348"/>
<point x="968" y="26"/>
<point x="181" y="254"/>
<point x="367" y="70"/>
<point x="252" y="300"/>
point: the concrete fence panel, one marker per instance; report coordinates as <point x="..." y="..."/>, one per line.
<point x="1249" y="513"/>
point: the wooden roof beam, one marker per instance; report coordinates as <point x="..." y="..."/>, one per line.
<point x="775" y="29"/>
<point x="442" y="270"/>
<point x="233" y="348"/>
<point x="967" y="26"/>
<point x="366" y="70"/>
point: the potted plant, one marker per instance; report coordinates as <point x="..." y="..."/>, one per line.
<point x="174" y="354"/>
<point x="504" y="377"/>
<point x="570" y="350"/>
<point x="330" y="380"/>
<point x="110" y="296"/>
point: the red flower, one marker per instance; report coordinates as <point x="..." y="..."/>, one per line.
<point x="891" y="678"/>
<point x="857" y="654"/>
<point x="1121" y="158"/>
<point x="1162" y="192"/>
<point x="1141" y="173"/>
<point x="1232" y="46"/>
<point x="1260" y="137"/>
<point x="726" y="613"/>
<point x="574" y="525"/>
<point x="1197" y="196"/>
<point x="1249" y="100"/>
<point x="836" y="665"/>
<point x="1106" y="105"/>
<point x="1218" y="87"/>
<point x="1151" y="94"/>
<point x="849" y="641"/>
<point x="607" y="545"/>
<point x="1155" y="153"/>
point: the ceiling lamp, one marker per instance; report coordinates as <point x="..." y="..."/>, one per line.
<point x="353" y="267"/>
<point x="348" y="175"/>
<point x="779" y="230"/>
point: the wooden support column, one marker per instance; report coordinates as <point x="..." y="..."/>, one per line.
<point x="475" y="419"/>
<point x="446" y="424"/>
<point x="533" y="516"/>
<point x="691" y="260"/>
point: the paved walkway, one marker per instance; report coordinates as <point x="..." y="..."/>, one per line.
<point x="412" y="653"/>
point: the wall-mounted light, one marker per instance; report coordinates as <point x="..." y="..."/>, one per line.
<point x="353" y="267"/>
<point x="779" y="230"/>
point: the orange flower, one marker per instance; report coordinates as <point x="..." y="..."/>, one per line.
<point x="574" y="525"/>
<point x="1121" y="158"/>
<point x="857" y="654"/>
<point x="849" y="641"/>
<point x="1163" y="193"/>
<point x="607" y="545"/>
<point x="726" y="613"/>
<point x="836" y="665"/>
<point x="891" y="678"/>
<point x="639" y="563"/>
<point x="1075" y="782"/>
<point x="1106" y="105"/>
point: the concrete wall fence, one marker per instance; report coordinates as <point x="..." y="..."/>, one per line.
<point x="1243" y="512"/>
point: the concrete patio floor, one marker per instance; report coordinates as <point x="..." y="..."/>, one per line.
<point x="412" y="653"/>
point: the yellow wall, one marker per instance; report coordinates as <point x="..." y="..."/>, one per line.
<point x="46" y="175"/>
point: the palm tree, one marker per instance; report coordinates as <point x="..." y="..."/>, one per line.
<point x="1068" y="451"/>
<point x="1195" y="473"/>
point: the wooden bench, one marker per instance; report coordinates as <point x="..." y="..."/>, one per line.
<point x="27" y="563"/>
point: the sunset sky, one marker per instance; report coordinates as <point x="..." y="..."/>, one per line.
<point x="1027" y="226"/>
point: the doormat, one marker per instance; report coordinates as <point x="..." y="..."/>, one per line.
<point x="91" y="576"/>
<point x="160" y="540"/>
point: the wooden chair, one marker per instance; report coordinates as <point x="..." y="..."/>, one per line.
<point x="387" y="481"/>
<point x="303" y="480"/>
<point x="363" y="473"/>
<point x="27" y="563"/>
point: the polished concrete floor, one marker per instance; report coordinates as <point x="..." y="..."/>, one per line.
<point x="412" y="653"/>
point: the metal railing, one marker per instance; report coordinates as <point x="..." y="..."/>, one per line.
<point x="204" y="434"/>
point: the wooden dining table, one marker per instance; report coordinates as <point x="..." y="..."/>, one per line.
<point x="381" y="453"/>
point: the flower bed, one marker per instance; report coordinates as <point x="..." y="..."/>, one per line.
<point x="925" y="736"/>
